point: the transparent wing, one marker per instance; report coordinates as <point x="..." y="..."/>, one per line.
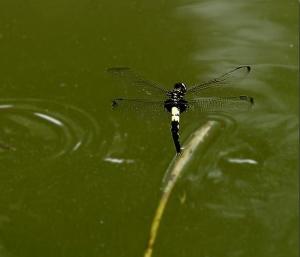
<point x="141" y="106"/>
<point x="221" y="104"/>
<point x="228" y="78"/>
<point x="131" y="77"/>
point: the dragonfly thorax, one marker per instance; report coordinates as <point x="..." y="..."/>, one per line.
<point x="178" y="92"/>
<point x="175" y="98"/>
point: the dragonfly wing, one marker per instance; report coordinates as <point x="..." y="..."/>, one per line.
<point x="131" y="77"/>
<point x="228" y="78"/>
<point x="221" y="104"/>
<point x="141" y="106"/>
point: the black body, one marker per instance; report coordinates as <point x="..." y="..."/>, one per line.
<point x="175" y="99"/>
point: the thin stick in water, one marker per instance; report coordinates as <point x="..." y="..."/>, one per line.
<point x="174" y="171"/>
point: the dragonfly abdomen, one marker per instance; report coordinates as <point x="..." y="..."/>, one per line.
<point x="175" y="127"/>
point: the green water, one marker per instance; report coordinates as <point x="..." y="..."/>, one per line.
<point x="78" y="180"/>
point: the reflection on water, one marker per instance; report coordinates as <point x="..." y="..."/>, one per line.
<point x="45" y="129"/>
<point x="241" y="161"/>
<point x="237" y="31"/>
<point x="117" y="160"/>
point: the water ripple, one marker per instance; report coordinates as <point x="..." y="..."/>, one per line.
<point x="45" y="129"/>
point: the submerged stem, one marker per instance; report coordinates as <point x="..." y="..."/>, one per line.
<point x="174" y="171"/>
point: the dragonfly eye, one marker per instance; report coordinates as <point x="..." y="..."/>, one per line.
<point x="180" y="86"/>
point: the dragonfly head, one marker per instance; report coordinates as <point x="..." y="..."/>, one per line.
<point x="180" y="87"/>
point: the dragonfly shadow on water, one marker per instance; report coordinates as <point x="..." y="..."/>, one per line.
<point x="156" y="100"/>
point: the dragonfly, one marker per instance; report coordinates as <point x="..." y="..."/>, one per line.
<point x="181" y="98"/>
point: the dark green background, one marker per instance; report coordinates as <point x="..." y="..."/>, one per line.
<point x="78" y="180"/>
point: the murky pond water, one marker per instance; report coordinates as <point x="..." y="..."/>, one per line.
<point x="77" y="179"/>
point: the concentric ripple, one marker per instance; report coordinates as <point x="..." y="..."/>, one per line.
<point x="45" y="129"/>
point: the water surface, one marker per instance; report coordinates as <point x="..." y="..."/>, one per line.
<point x="79" y="180"/>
